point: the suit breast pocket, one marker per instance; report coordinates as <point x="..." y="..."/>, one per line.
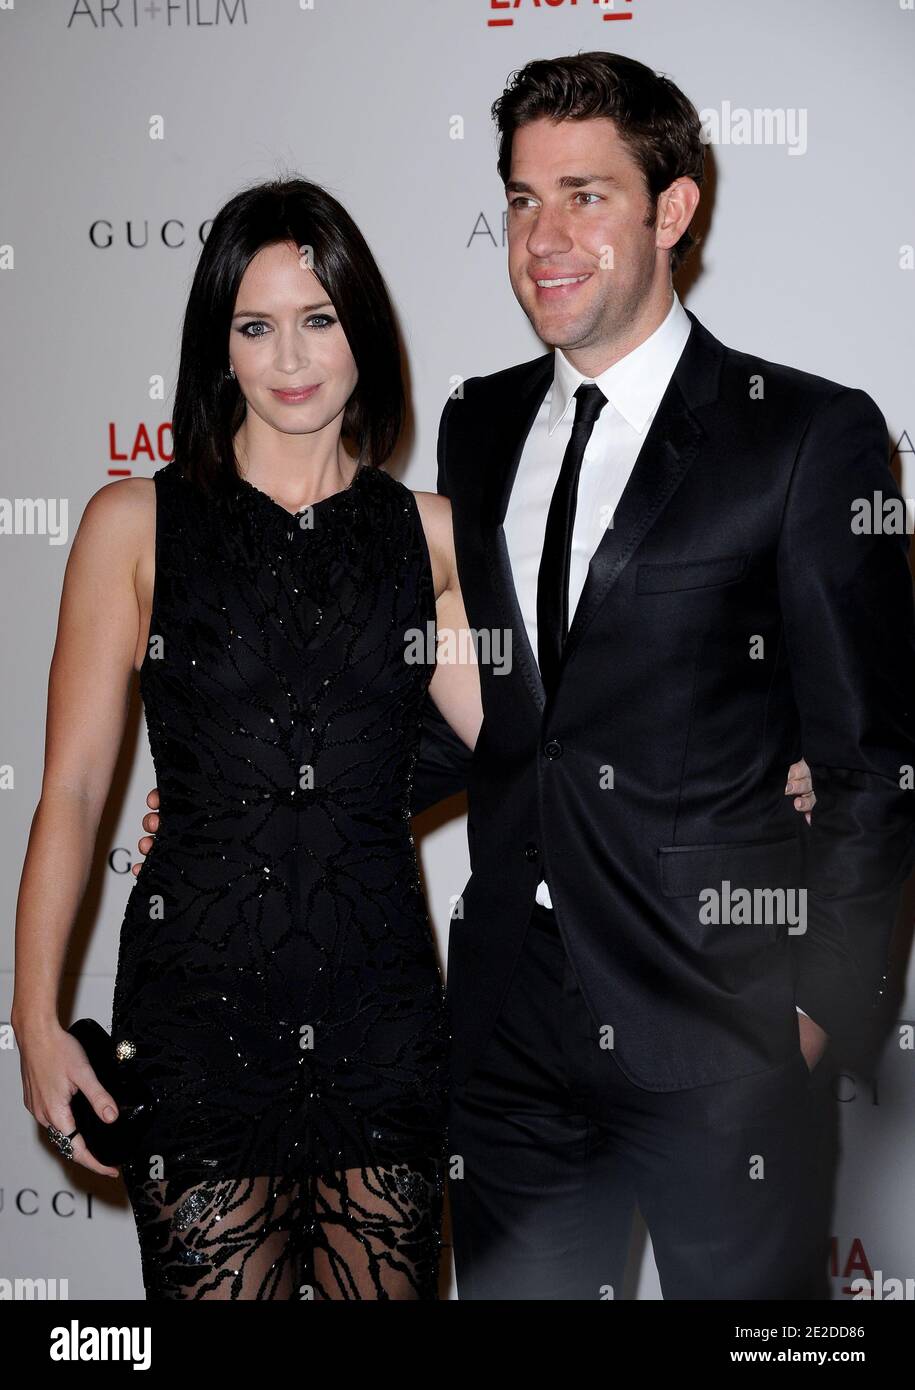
<point x="711" y="573"/>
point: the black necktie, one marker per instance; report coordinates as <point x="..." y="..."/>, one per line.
<point x="553" y="578"/>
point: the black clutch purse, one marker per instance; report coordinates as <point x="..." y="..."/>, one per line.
<point x="114" y="1066"/>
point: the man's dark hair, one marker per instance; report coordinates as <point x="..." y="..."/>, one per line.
<point x="660" y="125"/>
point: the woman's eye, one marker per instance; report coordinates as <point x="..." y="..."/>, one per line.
<point x="252" y="330"/>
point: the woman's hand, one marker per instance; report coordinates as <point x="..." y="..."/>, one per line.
<point x="150" y="823"/>
<point x="800" y="786"/>
<point x="54" y="1067"/>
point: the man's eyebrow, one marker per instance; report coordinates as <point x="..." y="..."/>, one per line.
<point x="564" y="181"/>
<point x="302" y="309"/>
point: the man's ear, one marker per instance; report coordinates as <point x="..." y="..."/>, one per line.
<point x="676" y="208"/>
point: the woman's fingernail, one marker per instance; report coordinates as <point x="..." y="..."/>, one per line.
<point x="789" y="787"/>
<point x="110" y="1113"/>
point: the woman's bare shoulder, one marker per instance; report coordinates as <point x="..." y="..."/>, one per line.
<point x="123" y="503"/>
<point x="117" y="529"/>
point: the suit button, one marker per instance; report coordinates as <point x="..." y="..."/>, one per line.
<point x="553" y="749"/>
<point x="531" y="851"/>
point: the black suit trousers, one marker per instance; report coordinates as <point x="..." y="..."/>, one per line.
<point x="556" y="1145"/>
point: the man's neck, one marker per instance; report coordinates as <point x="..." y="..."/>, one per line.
<point x="597" y="357"/>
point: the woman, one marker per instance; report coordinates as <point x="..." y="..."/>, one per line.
<point x="277" y="983"/>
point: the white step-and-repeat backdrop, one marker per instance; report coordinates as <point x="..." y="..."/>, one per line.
<point x="127" y="124"/>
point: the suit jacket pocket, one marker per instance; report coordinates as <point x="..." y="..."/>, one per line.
<point x="685" y="870"/>
<point x="690" y="574"/>
<point x="745" y="898"/>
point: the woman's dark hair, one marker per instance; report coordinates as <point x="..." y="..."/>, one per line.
<point x="209" y="406"/>
<point x="656" y="121"/>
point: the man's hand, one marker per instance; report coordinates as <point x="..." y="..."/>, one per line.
<point x="151" y="823"/>
<point x="800" y="786"/>
<point x="813" y="1040"/>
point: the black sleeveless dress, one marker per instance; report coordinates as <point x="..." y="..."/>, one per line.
<point x="277" y="985"/>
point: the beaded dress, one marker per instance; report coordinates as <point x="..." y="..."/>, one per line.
<point x="277" y="985"/>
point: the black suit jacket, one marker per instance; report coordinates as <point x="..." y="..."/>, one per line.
<point x="731" y="620"/>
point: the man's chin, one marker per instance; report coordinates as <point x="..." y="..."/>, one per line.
<point x="565" y="336"/>
<point x="556" y="330"/>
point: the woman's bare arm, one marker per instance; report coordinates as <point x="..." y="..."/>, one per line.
<point x="97" y="650"/>
<point x="455" y="685"/>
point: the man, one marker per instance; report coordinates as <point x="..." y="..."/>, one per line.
<point x="664" y="526"/>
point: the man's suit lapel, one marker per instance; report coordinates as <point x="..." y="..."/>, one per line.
<point x="512" y="426"/>
<point x="669" y="448"/>
<point x="667" y="451"/>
